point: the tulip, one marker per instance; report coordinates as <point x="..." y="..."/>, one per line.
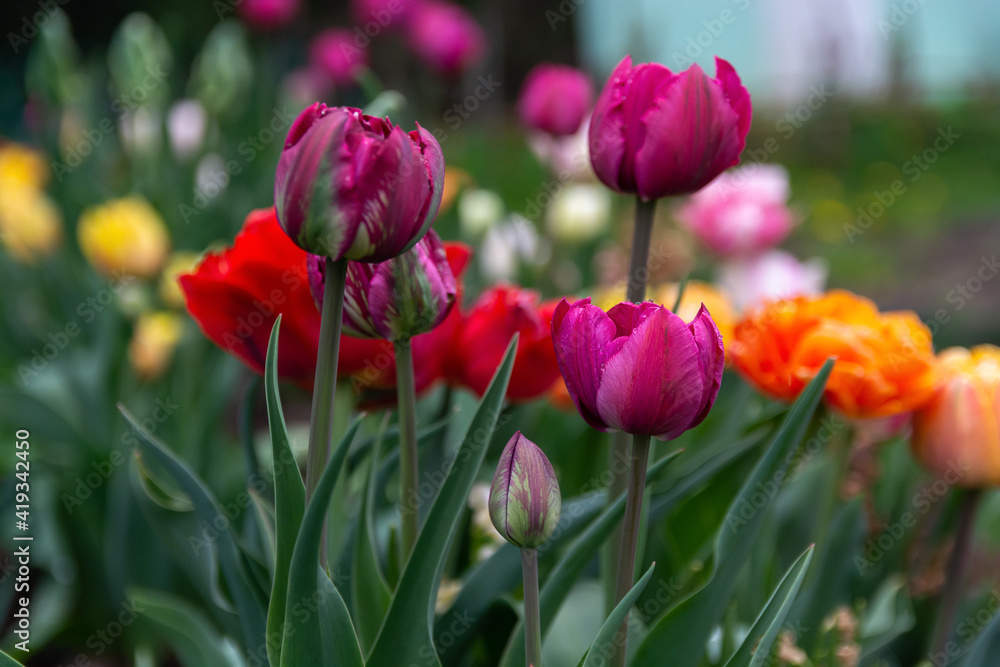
<point x="180" y="263"/>
<point x="186" y="126"/>
<point x="770" y="276"/>
<point x="655" y="133"/>
<point x="885" y="361"/>
<point x="153" y="341"/>
<point x="396" y="299"/>
<point x="741" y="212"/>
<point x="579" y="212"/>
<point x="334" y="53"/>
<point x="638" y="368"/>
<point x="31" y="225"/>
<point x="124" y="236"/>
<point x="444" y="36"/>
<point x="555" y="99"/>
<point x="524" y="506"/>
<point x="357" y="187"/>
<point x="236" y="295"/>
<point x="22" y="167"/>
<point x="524" y="499"/>
<point x="956" y="434"/>
<point x="485" y="332"/>
<point x="268" y="14"/>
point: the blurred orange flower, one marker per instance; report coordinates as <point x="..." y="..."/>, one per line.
<point x="885" y="361"/>
<point x="958" y="431"/>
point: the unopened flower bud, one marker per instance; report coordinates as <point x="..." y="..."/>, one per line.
<point x="524" y="500"/>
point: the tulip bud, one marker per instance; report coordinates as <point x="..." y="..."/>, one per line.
<point x="334" y="54"/>
<point x="397" y="299"/>
<point x="445" y="36"/>
<point x="555" y="99"/>
<point x="657" y="133"/>
<point x="955" y="434"/>
<point x="524" y="500"/>
<point x="355" y="186"/>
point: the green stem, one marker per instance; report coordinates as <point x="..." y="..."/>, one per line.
<point x="630" y="532"/>
<point x="638" y="274"/>
<point x="408" y="477"/>
<point x="954" y="583"/>
<point x="532" y="616"/>
<point x="325" y="386"/>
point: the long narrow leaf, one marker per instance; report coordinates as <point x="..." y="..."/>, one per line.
<point x="406" y="631"/>
<point x="604" y="644"/>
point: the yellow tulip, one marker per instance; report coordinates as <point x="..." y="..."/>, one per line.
<point x="30" y="223"/>
<point x="124" y="235"/>
<point x="21" y="167"/>
<point x="153" y="341"/>
<point x="181" y="262"/>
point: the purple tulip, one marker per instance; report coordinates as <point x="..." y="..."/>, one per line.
<point x="525" y="502"/>
<point x="555" y="99"/>
<point x="656" y="133"/>
<point x="396" y="299"/>
<point x="335" y="54"/>
<point x="444" y="36"/>
<point x="638" y="368"/>
<point x="268" y="14"/>
<point x="355" y="186"/>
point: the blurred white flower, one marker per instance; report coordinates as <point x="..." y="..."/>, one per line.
<point x="510" y="244"/>
<point x="771" y="275"/>
<point x="579" y="212"/>
<point x="141" y="131"/>
<point x="186" y="123"/>
<point x="478" y="210"/>
<point x="567" y="157"/>
<point x="210" y="178"/>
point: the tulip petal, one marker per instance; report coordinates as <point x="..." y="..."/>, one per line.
<point x="606" y="135"/>
<point x="581" y="333"/>
<point x="654" y="384"/>
<point x="712" y="359"/>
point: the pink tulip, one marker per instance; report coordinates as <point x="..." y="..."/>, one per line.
<point x="742" y="212"/>
<point x="445" y="36"/>
<point x="771" y="275"/>
<point x="268" y="14"/>
<point x="355" y="186"/>
<point x="335" y="54"/>
<point x="396" y="299"/>
<point x="555" y="99"/>
<point x="638" y="368"/>
<point x="656" y="133"/>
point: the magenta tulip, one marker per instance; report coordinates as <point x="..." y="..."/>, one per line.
<point x="555" y="99"/>
<point x="396" y="299"/>
<point x="335" y="54"/>
<point x="742" y="212"/>
<point x="656" y="133"/>
<point x="357" y="187"/>
<point x="268" y="14"/>
<point x="638" y="368"/>
<point x="444" y="36"/>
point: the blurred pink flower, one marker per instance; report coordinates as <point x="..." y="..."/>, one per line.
<point x="335" y="53"/>
<point x="445" y="36"/>
<point x="555" y="99"/>
<point x="268" y="14"/>
<point x="771" y="275"/>
<point x="741" y="212"/>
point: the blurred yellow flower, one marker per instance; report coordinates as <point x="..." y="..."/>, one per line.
<point x="153" y="341"/>
<point x="454" y="180"/>
<point x="124" y="235"/>
<point x="21" y="167"/>
<point x="181" y="262"/>
<point x="30" y="223"/>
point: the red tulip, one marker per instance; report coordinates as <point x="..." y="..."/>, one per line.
<point x="236" y="295"/>
<point x="355" y="186"/>
<point x="444" y="36"/>
<point x="555" y="99"/>
<point x="638" y="368"/>
<point x="335" y="54"/>
<point x="487" y="329"/>
<point x="656" y="133"/>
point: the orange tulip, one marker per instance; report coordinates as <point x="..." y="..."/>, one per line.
<point x="884" y="360"/>
<point x="958" y="431"/>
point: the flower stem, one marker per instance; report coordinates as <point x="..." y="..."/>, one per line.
<point x="532" y="616"/>
<point x="957" y="565"/>
<point x="325" y="385"/>
<point x="408" y="477"/>
<point x="638" y="274"/>
<point x="630" y="531"/>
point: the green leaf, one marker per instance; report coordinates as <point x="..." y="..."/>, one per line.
<point x="888" y="616"/>
<point x="754" y="650"/>
<point x="406" y="630"/>
<point x="249" y="600"/>
<point x="601" y="649"/>
<point x="984" y="651"/>
<point x="370" y="594"/>
<point x="7" y="661"/>
<point x="684" y="630"/>
<point x="289" y="500"/>
<point x="188" y="631"/>
<point x="571" y="566"/>
<point x="325" y="636"/>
